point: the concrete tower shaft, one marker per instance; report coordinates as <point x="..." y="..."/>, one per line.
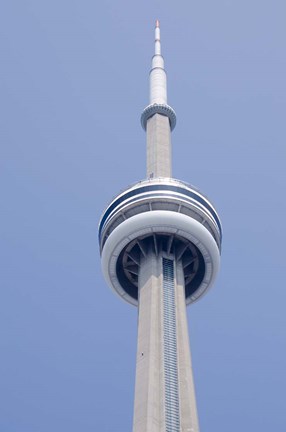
<point x="164" y="390"/>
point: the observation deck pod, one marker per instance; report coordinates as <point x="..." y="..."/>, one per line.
<point x="165" y="215"/>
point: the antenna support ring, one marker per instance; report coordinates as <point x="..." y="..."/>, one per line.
<point x="162" y="109"/>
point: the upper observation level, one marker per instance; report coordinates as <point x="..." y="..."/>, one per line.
<point x="159" y="194"/>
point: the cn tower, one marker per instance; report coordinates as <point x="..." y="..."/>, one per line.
<point x="160" y="243"/>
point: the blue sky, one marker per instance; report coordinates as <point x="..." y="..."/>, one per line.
<point x="74" y="80"/>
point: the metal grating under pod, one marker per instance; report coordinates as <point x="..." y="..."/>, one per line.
<point x="172" y="415"/>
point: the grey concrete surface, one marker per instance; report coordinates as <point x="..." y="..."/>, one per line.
<point x="149" y="405"/>
<point x="159" y="152"/>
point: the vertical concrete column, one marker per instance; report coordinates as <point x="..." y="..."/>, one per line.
<point x="159" y="157"/>
<point x="149" y="385"/>
<point x="188" y="408"/>
<point x="150" y="392"/>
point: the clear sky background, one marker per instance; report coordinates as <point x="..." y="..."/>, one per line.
<point x="74" y="80"/>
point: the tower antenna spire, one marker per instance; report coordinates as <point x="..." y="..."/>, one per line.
<point x="158" y="118"/>
<point x="158" y="78"/>
<point x="157" y="38"/>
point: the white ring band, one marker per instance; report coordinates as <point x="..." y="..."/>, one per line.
<point x="165" y="222"/>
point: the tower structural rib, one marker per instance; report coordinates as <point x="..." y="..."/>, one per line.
<point x="160" y="243"/>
